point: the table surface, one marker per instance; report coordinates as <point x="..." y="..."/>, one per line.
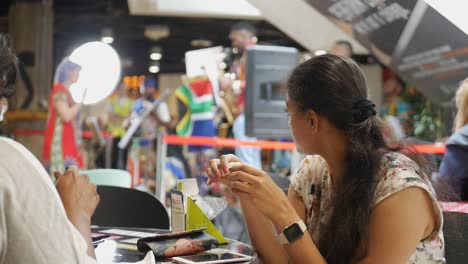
<point x="122" y="247"/>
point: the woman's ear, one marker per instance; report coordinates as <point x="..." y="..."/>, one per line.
<point x="313" y="119"/>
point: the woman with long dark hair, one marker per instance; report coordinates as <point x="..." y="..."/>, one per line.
<point x="354" y="199"/>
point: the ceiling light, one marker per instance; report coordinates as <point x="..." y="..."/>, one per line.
<point x="201" y="43"/>
<point x="156" y="53"/>
<point x="320" y="52"/>
<point x="155" y="56"/>
<point x="156" y="32"/>
<point x="107" y="35"/>
<point x="154" y="67"/>
<point x="107" y="40"/>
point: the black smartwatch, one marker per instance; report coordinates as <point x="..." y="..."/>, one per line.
<point x="292" y="233"/>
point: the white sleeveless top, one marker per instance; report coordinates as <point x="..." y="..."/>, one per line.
<point x="312" y="182"/>
<point x="34" y="227"/>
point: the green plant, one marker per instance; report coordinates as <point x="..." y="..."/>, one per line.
<point x="426" y="118"/>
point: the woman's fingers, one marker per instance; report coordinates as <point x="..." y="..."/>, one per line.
<point x="225" y="160"/>
<point x="219" y="167"/>
<point x="225" y="164"/>
<point x="237" y="166"/>
<point x="242" y="177"/>
<point x="210" y="173"/>
<point x="85" y="178"/>
<point x="222" y="166"/>
<point x="57" y="175"/>
<point x="214" y="168"/>
<point x="211" y="176"/>
<point x="241" y="194"/>
<point x="240" y="186"/>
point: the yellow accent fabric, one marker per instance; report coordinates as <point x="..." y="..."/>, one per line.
<point x="117" y="129"/>
<point x="197" y="219"/>
<point x="188" y="113"/>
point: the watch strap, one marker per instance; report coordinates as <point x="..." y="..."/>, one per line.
<point x="283" y="240"/>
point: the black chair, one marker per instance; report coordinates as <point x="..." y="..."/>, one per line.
<point x="122" y="207"/>
<point x="456" y="237"/>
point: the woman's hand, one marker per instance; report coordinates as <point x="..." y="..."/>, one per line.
<point x="78" y="195"/>
<point x="220" y="167"/>
<point x="254" y="186"/>
<point x="80" y="199"/>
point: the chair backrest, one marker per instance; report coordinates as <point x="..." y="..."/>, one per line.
<point x="456" y="237"/>
<point x="123" y="207"/>
<point x="109" y="177"/>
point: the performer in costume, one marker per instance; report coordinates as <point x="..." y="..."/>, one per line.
<point x="242" y="35"/>
<point x="62" y="136"/>
<point x="120" y="109"/>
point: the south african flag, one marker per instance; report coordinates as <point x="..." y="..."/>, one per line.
<point x="199" y="115"/>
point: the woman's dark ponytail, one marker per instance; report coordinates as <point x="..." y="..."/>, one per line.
<point x="336" y="89"/>
<point x="354" y="195"/>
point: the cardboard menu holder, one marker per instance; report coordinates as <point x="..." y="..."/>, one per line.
<point x="186" y="214"/>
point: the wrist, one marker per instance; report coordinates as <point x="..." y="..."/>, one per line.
<point x="78" y="218"/>
<point x="285" y="218"/>
<point x="292" y="232"/>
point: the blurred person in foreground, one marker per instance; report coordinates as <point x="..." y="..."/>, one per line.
<point x="354" y="199"/>
<point x="62" y="137"/>
<point x="39" y="223"/>
<point x="454" y="166"/>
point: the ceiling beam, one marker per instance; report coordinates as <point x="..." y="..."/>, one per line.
<point x="238" y="9"/>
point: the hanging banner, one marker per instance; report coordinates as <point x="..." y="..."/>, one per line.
<point x="409" y="36"/>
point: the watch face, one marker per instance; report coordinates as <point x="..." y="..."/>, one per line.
<point x="293" y="232"/>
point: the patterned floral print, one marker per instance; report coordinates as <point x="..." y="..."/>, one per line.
<point x="312" y="182"/>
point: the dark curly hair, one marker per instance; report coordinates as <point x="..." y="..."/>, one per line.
<point x="8" y="68"/>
